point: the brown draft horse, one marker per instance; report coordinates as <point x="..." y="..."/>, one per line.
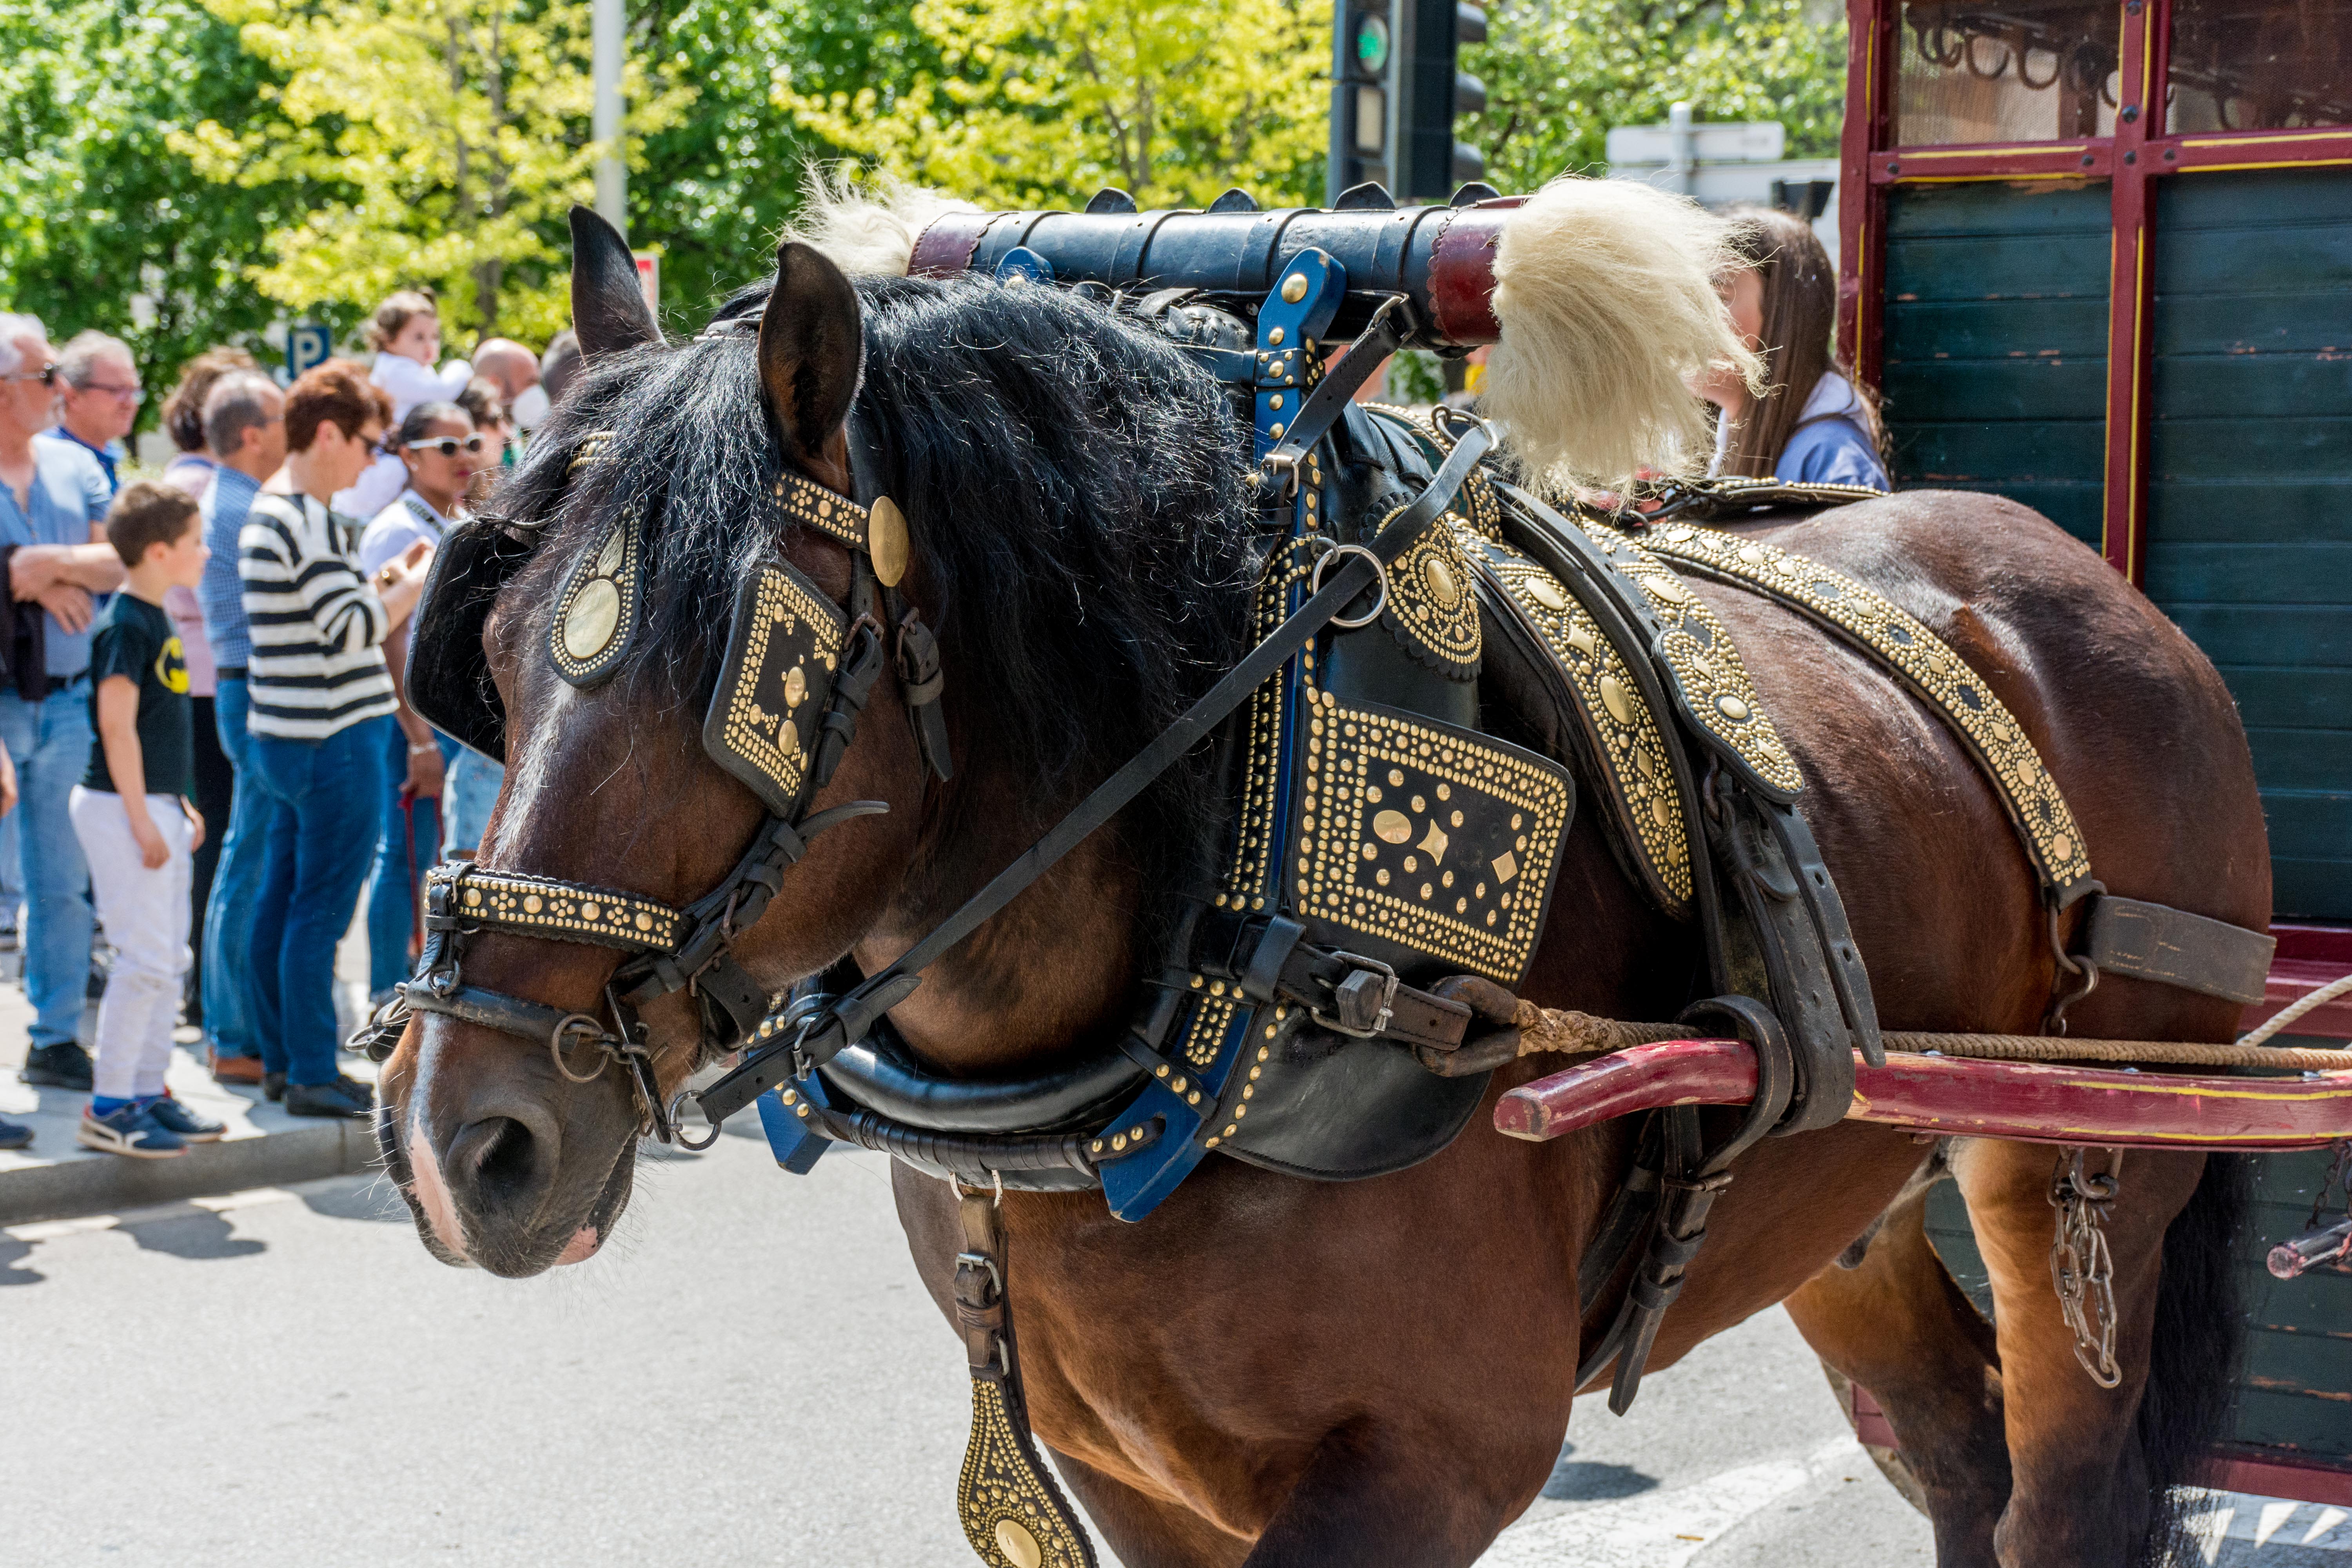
<point x="1271" y="1371"/>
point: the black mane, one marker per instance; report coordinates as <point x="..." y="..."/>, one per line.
<point x="1074" y="484"/>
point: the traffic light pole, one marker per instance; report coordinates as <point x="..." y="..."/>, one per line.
<point x="1396" y="91"/>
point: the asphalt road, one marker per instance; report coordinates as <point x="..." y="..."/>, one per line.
<point x="750" y="1374"/>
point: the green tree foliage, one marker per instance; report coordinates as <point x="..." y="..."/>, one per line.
<point x="717" y="184"/>
<point x="1559" y="73"/>
<point x="442" y="142"/>
<point x="1041" y="102"/>
<point x="101" y="225"/>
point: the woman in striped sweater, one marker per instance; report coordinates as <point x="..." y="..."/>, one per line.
<point x="321" y="712"/>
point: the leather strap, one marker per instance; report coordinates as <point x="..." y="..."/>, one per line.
<point x="1011" y="1509"/>
<point x="2173" y="947"/>
<point x="1381" y="337"/>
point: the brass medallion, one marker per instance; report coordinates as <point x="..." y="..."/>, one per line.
<point x="596" y="608"/>
<point x="1427" y="609"/>
<point x="885" y="541"/>
<point x="594" y="616"/>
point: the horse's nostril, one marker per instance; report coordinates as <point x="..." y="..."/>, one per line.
<point x="507" y="1162"/>
<point x="499" y="1168"/>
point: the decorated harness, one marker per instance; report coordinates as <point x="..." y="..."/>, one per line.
<point x="1326" y="1004"/>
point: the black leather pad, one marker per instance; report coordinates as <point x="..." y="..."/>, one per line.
<point x="448" y="674"/>
<point x="782" y="653"/>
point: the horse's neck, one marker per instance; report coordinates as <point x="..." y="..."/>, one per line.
<point x="1051" y="974"/>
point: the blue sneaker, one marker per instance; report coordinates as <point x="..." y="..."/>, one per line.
<point x="15" y="1135"/>
<point x="132" y="1131"/>
<point x="188" y="1126"/>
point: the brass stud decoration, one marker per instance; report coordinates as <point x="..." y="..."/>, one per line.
<point x="886" y="535"/>
<point x="596" y="608"/>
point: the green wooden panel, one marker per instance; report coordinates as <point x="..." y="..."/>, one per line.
<point x="2280" y="697"/>
<point x="1993" y="266"/>
<point x="2249" y="475"/>
<point x="2042" y="387"/>
<point x="2317" y="447"/>
<point x="2025" y="206"/>
<point x="2295" y="573"/>
<point x="1930" y="453"/>
<point x="2301" y="759"/>
<point x="2263" y="200"/>
<point x="2295" y="321"/>
<point x="1998" y="330"/>
<point x="2310" y="889"/>
<point x="2250" y="385"/>
<point x="2296" y="636"/>
<point x="2219" y="261"/>
<point x="2317" y="822"/>
<point x="2232" y="511"/>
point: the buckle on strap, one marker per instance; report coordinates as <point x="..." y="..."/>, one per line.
<point x="1363" y="1003"/>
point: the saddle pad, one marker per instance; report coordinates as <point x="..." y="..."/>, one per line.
<point x="1927" y="665"/>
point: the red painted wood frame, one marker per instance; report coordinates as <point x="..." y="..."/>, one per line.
<point x="2138" y="152"/>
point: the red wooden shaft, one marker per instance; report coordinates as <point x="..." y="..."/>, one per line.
<point x="2033" y="1102"/>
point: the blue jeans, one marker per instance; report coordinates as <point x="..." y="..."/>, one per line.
<point x="321" y="842"/>
<point x="391" y="898"/>
<point x="51" y="741"/>
<point x="12" y="872"/>
<point x="472" y="791"/>
<point x="240" y="1002"/>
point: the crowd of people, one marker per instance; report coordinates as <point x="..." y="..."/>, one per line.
<point x="206" y="756"/>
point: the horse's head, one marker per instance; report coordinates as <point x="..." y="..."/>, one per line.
<point x="1071" y="496"/>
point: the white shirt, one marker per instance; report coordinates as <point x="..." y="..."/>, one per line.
<point x="398" y="526"/>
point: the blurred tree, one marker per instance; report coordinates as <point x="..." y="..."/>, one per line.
<point x="441" y="142"/>
<point x="1041" y="102"/>
<point x="1559" y="73"/>
<point x="100" y="225"/>
<point x="717" y="183"/>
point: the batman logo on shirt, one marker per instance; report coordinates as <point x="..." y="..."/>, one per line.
<point x="171" y="666"/>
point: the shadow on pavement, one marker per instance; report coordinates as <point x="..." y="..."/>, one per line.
<point x="371" y="1198"/>
<point x="13" y="1253"/>
<point x="1584" y="1481"/>
<point x="198" y="1235"/>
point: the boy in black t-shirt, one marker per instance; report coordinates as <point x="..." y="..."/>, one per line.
<point x="137" y="829"/>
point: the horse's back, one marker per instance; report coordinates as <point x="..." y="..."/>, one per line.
<point x="2128" y="715"/>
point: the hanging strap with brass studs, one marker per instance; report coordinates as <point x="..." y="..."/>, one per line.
<point x="1013" y="1512"/>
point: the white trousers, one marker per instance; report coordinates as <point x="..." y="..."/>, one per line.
<point x="146" y="917"/>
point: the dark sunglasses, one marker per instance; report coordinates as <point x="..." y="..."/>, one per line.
<point x="447" y="446"/>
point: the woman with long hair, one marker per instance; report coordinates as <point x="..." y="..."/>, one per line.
<point x="1814" y="425"/>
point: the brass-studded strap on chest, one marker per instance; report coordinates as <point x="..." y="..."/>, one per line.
<point x="469" y="899"/>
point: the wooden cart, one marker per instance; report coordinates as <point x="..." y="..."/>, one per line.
<point x="2098" y="258"/>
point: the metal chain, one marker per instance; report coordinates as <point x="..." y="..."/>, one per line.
<point x="2080" y="1266"/>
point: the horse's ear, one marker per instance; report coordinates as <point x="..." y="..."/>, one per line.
<point x="608" y="304"/>
<point x="812" y="349"/>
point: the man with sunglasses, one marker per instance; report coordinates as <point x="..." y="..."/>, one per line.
<point x="53" y="501"/>
<point x="98" y="396"/>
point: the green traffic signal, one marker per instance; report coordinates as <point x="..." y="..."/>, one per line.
<point x="1372" y="44"/>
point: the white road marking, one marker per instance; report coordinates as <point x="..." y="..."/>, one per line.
<point x="2257" y="1521"/>
<point x="1664" y="1529"/>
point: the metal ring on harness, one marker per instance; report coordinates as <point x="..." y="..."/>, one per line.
<point x="577" y="1023"/>
<point x="1315" y="583"/>
<point x="677" y="1126"/>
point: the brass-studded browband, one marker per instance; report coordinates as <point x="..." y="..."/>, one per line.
<point x="879" y="532"/>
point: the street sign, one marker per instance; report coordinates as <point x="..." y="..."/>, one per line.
<point x="1758" y="141"/>
<point x="649" y="277"/>
<point x="307" y="346"/>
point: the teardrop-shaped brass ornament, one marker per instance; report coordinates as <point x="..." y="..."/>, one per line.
<point x="594" y="616"/>
<point x="885" y="541"/>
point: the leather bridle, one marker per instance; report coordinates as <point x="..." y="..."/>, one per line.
<point x="691" y="948"/>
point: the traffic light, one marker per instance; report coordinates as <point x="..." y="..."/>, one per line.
<point x="1395" y="91"/>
